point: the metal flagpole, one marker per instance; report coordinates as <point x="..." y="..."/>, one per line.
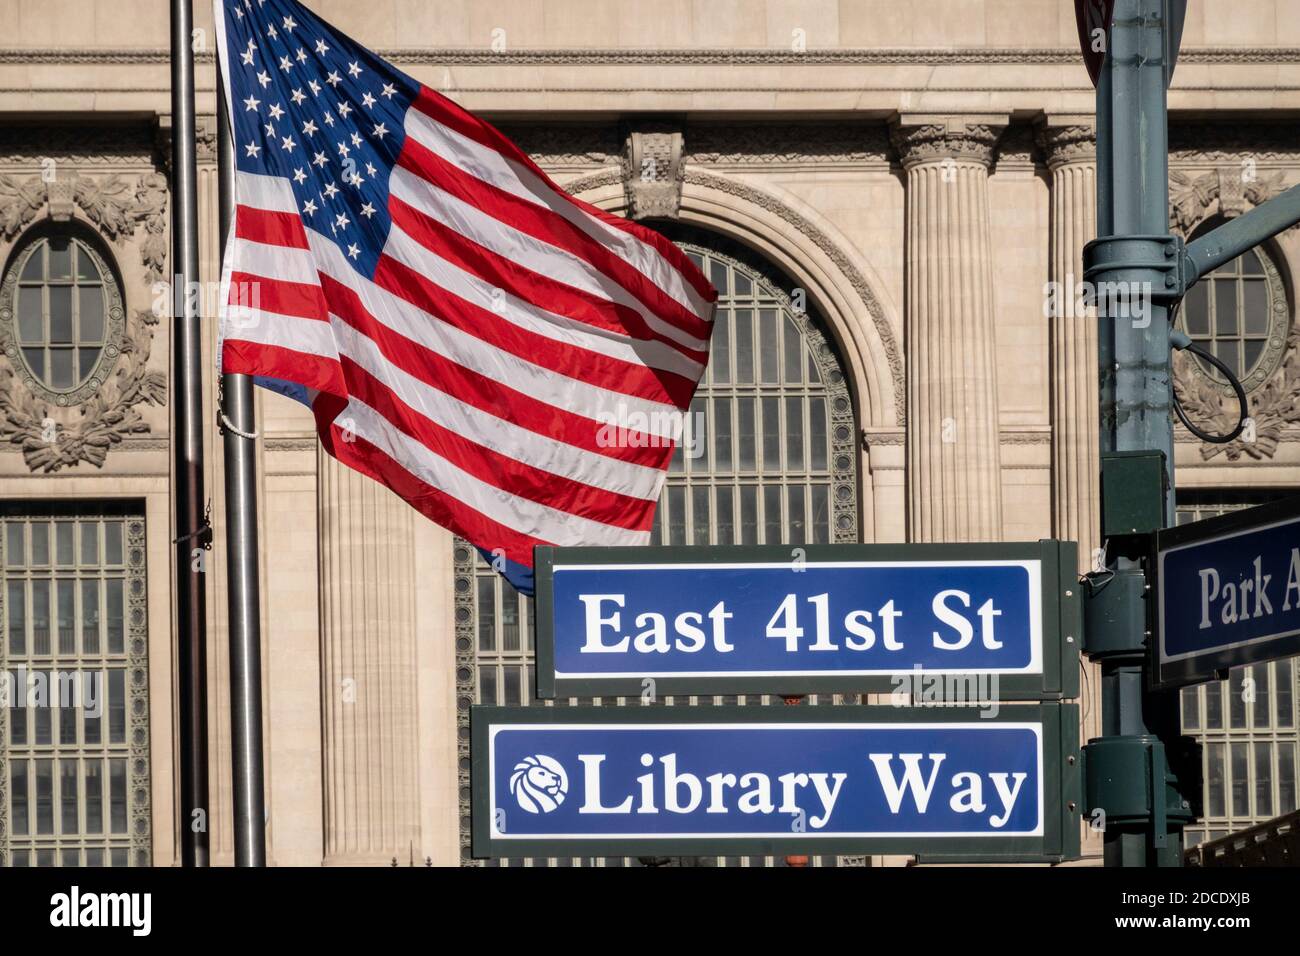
<point x="187" y="451"/>
<point x="243" y="585"/>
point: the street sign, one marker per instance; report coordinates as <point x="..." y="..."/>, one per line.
<point x="1092" y="18"/>
<point x="637" y="781"/>
<point x="1228" y="592"/>
<point x="811" y="619"/>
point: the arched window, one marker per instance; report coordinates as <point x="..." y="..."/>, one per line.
<point x="773" y="436"/>
<point x="1239" y="312"/>
<point x="60" y="315"/>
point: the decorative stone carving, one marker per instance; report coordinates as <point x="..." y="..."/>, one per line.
<point x="940" y="141"/>
<point x="762" y="143"/>
<point x="653" y="170"/>
<point x="112" y="203"/>
<point x="1067" y="144"/>
<point x="49" y="443"/>
<point x="1191" y="199"/>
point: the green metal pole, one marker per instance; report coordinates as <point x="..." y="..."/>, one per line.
<point x="1133" y="351"/>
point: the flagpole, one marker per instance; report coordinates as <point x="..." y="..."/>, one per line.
<point x="192" y="531"/>
<point x="242" y="581"/>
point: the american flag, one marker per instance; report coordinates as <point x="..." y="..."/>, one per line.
<point x="512" y="362"/>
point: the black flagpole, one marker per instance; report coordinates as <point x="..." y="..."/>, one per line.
<point x="192" y="532"/>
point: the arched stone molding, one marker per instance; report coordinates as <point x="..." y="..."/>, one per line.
<point x="840" y="283"/>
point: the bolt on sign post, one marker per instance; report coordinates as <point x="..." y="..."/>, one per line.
<point x="1000" y="619"/>
<point x="958" y="784"/>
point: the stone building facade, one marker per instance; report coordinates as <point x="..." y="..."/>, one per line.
<point x="885" y="192"/>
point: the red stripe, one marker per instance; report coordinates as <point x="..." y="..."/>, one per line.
<point x="432" y="502"/>
<point x="271" y="228"/>
<point x="488" y="394"/>
<point x="553" y="295"/>
<point x="442" y="110"/>
<point x="549" y="227"/>
<point x="616" y="375"/>
<point x="501" y="471"/>
<point x="278" y="295"/>
<point x="242" y="357"/>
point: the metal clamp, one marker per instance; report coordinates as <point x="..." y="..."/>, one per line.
<point x="1127" y="262"/>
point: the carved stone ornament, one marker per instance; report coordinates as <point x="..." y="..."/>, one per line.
<point x="1190" y="199"/>
<point x="653" y="171"/>
<point x="57" y="431"/>
<point x="1067" y="144"/>
<point x="1274" y="406"/>
<point x="935" y="142"/>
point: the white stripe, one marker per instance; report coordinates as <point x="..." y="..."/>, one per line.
<point x="311" y="336"/>
<point x="486" y="164"/>
<point x="525" y="516"/>
<point x="528" y="251"/>
<point x="497" y="434"/>
<point x="272" y="193"/>
<point x="281" y="263"/>
<point x="523" y="314"/>
<point x="574" y="395"/>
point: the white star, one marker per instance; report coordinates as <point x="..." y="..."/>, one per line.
<point x="270" y="130"/>
<point x="251" y="104"/>
<point x="367" y="210"/>
<point x="286" y="64"/>
<point x="270" y="31"/>
<point x="239" y="14"/>
<point x="247" y="57"/>
<point x="343" y="150"/>
<point x="287" y="143"/>
<point x="371" y="169"/>
<point x="320" y="160"/>
<point x="388" y="91"/>
<point x="331" y="190"/>
<point x="345" y="109"/>
<point x="301" y="55"/>
<point x="321" y="47"/>
<point x="333" y="79"/>
<point x="309" y="207"/>
<point x="356" y="139"/>
<point x="357" y="180"/>
<point x="342" y="220"/>
<point x="300" y="176"/>
<point x="354" y="69"/>
<point x="380" y="130"/>
<point x="276" y="111"/>
<point x="264" y="80"/>
<point x="329" y="119"/>
<point x="297" y="96"/>
<point x="367" y="100"/>
<point x="309" y="128"/>
<point x="289" y="24"/>
<point x="315" y="87"/>
<point x="253" y="149"/>
<point x="353" y="251"/>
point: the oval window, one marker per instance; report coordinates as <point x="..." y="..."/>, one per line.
<point x="63" y="306"/>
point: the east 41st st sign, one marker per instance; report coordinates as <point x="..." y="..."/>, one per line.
<point x="657" y="621"/>
<point x="756" y="780"/>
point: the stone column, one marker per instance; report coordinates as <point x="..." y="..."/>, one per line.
<point x="954" y="484"/>
<point x="369" y="670"/>
<point x="1071" y="153"/>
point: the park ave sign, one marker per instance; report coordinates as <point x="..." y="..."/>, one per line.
<point x="636" y="780"/>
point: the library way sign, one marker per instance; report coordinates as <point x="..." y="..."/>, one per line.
<point x="955" y="782"/>
<point x="1228" y="592"/>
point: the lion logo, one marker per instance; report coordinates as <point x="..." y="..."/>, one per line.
<point x="539" y="783"/>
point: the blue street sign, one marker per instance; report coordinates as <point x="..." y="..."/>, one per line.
<point x="656" y="621"/>
<point x="1229" y="592"/>
<point x="636" y="780"/>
